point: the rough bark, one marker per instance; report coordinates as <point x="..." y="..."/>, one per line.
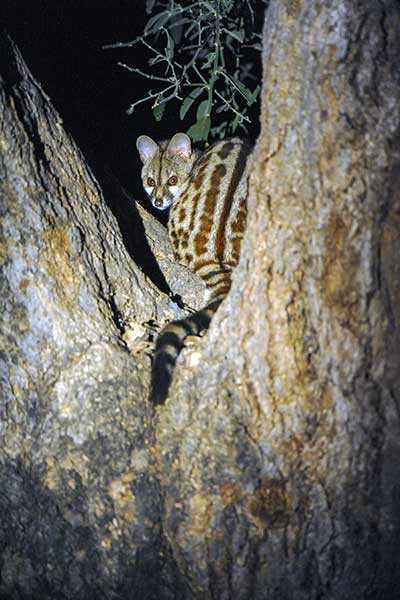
<point x="279" y="454"/>
<point x="273" y="469"/>
<point x="79" y="501"/>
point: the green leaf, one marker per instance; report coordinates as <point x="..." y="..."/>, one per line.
<point x="195" y="93"/>
<point x="235" y="123"/>
<point x="203" y="109"/>
<point x="208" y="5"/>
<point x="158" y="111"/>
<point x="254" y="94"/>
<point x="209" y="61"/>
<point x="187" y="103"/>
<point x="156" y="59"/>
<point x="170" y="46"/>
<point x="190" y="29"/>
<point x="237" y="35"/>
<point x="200" y="130"/>
<point x="205" y="128"/>
<point x="219" y="131"/>
<point x="157" y="21"/>
<point x="194" y="132"/>
<point x="149" y="6"/>
<point x="245" y="92"/>
<point x="177" y="30"/>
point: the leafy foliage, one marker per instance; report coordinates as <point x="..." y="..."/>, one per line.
<point x="202" y="54"/>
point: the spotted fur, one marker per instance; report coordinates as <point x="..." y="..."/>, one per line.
<point x="207" y="195"/>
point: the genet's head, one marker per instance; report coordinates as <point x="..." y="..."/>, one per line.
<point x="166" y="167"/>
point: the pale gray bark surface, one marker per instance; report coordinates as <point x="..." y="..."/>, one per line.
<point x="79" y="501"/>
<point x="273" y="470"/>
<point x="281" y="460"/>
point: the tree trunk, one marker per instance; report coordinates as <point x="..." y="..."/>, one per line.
<point x="280" y="453"/>
<point x="80" y="500"/>
<point x="273" y="469"/>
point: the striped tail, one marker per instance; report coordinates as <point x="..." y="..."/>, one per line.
<point x="171" y="340"/>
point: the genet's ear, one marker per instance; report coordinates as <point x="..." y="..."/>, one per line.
<point x="180" y="145"/>
<point x="147" y="147"/>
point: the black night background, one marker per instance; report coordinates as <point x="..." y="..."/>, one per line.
<point x="62" y="43"/>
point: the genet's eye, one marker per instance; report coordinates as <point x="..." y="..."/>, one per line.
<point x="151" y="182"/>
<point x="173" y="180"/>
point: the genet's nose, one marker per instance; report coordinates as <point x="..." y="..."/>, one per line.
<point x="158" y="202"/>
